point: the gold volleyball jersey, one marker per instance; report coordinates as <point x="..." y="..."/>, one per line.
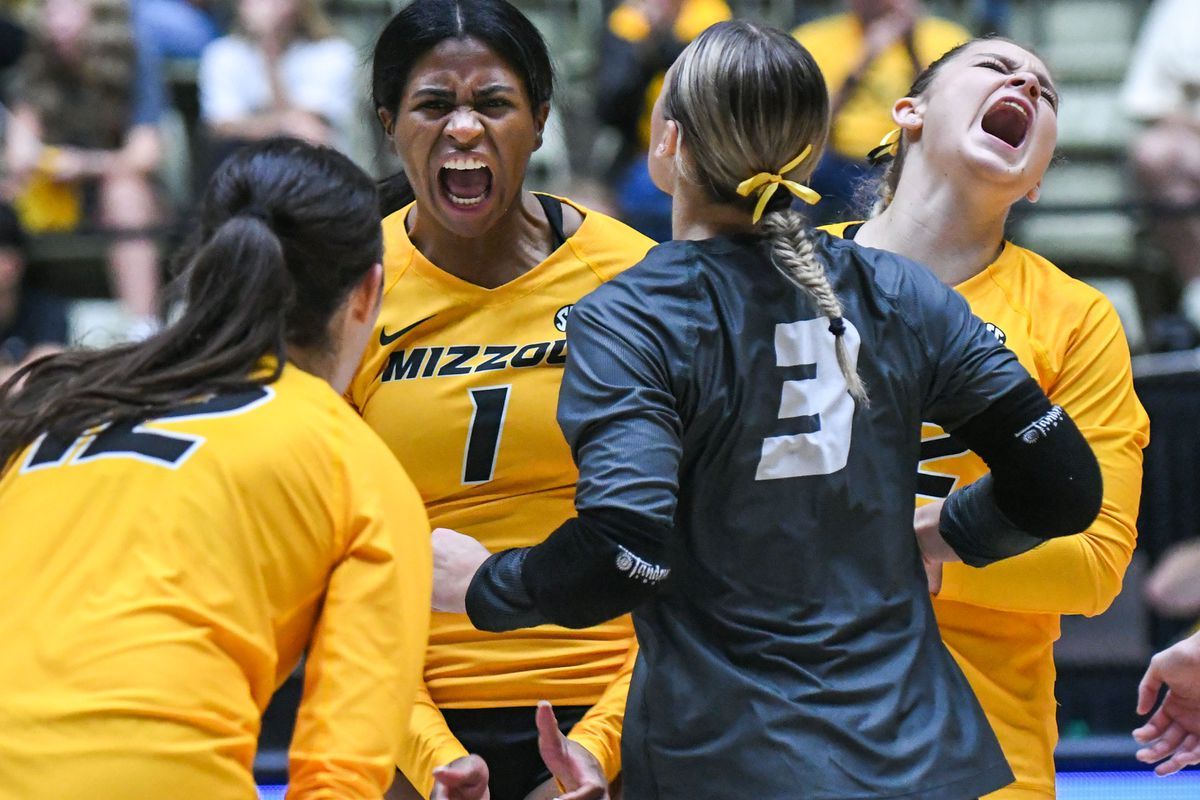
<point x="462" y="383"/>
<point x="160" y="581"/>
<point x="837" y="45"/>
<point x="1001" y="622"/>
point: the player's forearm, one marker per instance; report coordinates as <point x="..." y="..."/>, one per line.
<point x="1072" y="575"/>
<point x="593" y="568"/>
<point x="427" y="743"/>
<point x="1044" y="482"/>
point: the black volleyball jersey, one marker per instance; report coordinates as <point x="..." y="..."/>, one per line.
<point x="792" y="650"/>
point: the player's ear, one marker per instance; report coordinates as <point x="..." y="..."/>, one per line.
<point x="1035" y="193"/>
<point x="672" y="138"/>
<point x="387" y="119"/>
<point x="909" y="114"/>
<point x="363" y="304"/>
<point x="540" y="115"/>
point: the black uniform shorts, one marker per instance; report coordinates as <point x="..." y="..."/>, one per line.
<point x="506" y="738"/>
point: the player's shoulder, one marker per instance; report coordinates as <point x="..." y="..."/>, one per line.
<point x="1037" y="282"/>
<point x="889" y="274"/>
<point x="318" y="418"/>
<point x="605" y="244"/>
<point x="398" y="249"/>
<point x="663" y="280"/>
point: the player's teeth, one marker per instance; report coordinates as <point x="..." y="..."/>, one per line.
<point x="464" y="163"/>
<point x="465" y="201"/>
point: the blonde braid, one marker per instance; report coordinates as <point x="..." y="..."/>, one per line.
<point x="793" y="253"/>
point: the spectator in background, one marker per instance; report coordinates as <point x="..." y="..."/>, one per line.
<point x="1162" y="90"/>
<point x="32" y="324"/>
<point x="83" y="143"/>
<point x="642" y="39"/>
<point x="1173" y="732"/>
<point x="282" y="72"/>
<point x="176" y="29"/>
<point x="870" y="55"/>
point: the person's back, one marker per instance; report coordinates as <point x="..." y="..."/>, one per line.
<point x="795" y="582"/>
<point x="163" y="581"/>
<point x="185" y="517"/>
<point x="747" y="452"/>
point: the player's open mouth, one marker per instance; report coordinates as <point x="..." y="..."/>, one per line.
<point x="1008" y="121"/>
<point x="467" y="181"/>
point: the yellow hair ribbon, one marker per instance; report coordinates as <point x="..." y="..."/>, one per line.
<point x="767" y="182"/>
<point x="889" y="146"/>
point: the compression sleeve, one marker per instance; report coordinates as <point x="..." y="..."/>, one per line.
<point x="1044" y="481"/>
<point x="593" y="568"/>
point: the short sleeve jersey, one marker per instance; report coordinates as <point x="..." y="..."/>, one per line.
<point x="703" y="390"/>
<point x="462" y="382"/>
<point x="160" y="581"/>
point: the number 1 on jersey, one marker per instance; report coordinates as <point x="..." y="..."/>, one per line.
<point x="483" y="435"/>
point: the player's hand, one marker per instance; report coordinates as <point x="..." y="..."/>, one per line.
<point x="569" y="762"/>
<point x="926" y="524"/>
<point x="1173" y="732"/>
<point x="463" y="778"/>
<point x="456" y="559"/>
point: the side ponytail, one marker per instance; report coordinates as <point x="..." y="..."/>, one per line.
<point x="286" y="230"/>
<point x="793" y="254"/>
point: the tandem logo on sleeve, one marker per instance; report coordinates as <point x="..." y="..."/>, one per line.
<point x="639" y="569"/>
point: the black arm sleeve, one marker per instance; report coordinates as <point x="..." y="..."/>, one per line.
<point x="594" y="567"/>
<point x="1044" y="481"/>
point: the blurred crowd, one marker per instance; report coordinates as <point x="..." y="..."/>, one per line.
<point x="87" y="86"/>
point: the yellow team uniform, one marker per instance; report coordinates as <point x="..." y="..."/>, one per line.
<point x="837" y="44"/>
<point x="1001" y="622"/>
<point x="462" y="383"/>
<point x="159" y="582"/>
<point x="629" y="22"/>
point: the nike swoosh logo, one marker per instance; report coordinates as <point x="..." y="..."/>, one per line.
<point x="386" y="338"/>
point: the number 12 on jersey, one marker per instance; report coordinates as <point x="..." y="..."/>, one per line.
<point x="483" y="436"/>
<point x="816" y="402"/>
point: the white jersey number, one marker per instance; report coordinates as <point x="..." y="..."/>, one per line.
<point x="821" y="397"/>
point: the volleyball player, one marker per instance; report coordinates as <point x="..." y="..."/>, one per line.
<point x="186" y="516"/>
<point x="461" y="378"/>
<point x="977" y="132"/>
<point x="738" y="490"/>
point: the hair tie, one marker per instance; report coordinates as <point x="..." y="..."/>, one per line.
<point x="837" y="326"/>
<point x="766" y="183"/>
<point x="888" y="148"/>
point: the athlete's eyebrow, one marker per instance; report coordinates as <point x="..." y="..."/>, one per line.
<point x="433" y="91"/>
<point x="495" y="88"/>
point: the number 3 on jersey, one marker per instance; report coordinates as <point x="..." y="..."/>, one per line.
<point x="483" y="436"/>
<point x="816" y="402"/>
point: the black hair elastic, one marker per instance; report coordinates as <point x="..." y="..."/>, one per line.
<point x="837" y="326"/>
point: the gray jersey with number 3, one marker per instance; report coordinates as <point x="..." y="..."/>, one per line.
<point x="791" y="651"/>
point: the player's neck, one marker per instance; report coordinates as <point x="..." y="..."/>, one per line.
<point x="517" y="243"/>
<point x="955" y="233"/>
<point x="695" y="216"/>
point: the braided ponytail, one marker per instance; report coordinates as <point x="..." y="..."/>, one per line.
<point x="793" y="254"/>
